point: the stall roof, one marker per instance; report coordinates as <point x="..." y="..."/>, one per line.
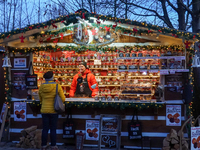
<point x="131" y="28"/>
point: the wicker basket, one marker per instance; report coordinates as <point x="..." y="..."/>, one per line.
<point x="36" y="96"/>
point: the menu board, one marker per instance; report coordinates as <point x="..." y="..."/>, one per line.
<point x="195" y="138"/>
<point x="110" y="124"/>
<point x="19" y="81"/>
<point x="173" y="115"/>
<point x="92" y="129"/>
<point x="19" y="111"/>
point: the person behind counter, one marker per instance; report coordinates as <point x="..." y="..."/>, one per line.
<point x="47" y="93"/>
<point x="84" y="83"/>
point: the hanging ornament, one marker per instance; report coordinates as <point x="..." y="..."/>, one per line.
<point x="98" y="22"/>
<point x="55" y="41"/>
<point x="30" y="28"/>
<point x="8" y="36"/>
<point x="149" y="31"/>
<point x="107" y="28"/>
<point x="83" y="16"/>
<point x="115" y="25"/>
<point x="61" y="34"/>
<point x="48" y="39"/>
<point x="93" y="31"/>
<point x="135" y="30"/>
<point x="45" y="26"/>
<point x="22" y="38"/>
<point x="62" y="21"/>
<point x="54" y="26"/>
<point x="41" y="41"/>
<point x="187" y="44"/>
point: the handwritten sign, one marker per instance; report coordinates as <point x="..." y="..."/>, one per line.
<point x="173" y="115"/>
<point x="92" y="130"/>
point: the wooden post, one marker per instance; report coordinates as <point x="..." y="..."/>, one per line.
<point x="3" y="122"/>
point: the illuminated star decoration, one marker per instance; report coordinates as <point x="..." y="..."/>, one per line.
<point x="107" y="29"/>
<point x="93" y="32"/>
<point x="61" y="34"/>
<point x="22" y="39"/>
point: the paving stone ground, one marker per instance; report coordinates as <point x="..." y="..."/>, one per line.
<point x="11" y="146"/>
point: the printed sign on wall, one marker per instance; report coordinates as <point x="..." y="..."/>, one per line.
<point x="19" y="62"/>
<point x="195" y="138"/>
<point x="173" y="115"/>
<point x="92" y="129"/>
<point x="19" y="111"/>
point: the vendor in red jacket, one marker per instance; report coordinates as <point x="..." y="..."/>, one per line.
<point x="84" y="83"/>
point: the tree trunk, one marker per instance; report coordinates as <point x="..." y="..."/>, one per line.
<point x="13" y="26"/>
<point x="20" y="18"/>
<point x="115" y="8"/>
<point x="9" y="15"/>
<point x="196" y="16"/>
<point x="181" y="16"/>
<point x="94" y="6"/>
<point x="4" y="16"/>
<point x="39" y="13"/>
<point x="126" y="9"/>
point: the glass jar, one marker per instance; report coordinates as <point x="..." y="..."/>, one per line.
<point x="115" y="82"/>
<point x="109" y="73"/>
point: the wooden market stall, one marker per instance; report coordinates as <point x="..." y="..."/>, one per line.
<point x="138" y="66"/>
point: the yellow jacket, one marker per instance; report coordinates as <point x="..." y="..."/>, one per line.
<point x="47" y="93"/>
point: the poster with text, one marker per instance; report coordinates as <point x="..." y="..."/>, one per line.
<point x="19" y="111"/>
<point x="173" y="115"/>
<point x="19" y="62"/>
<point x="195" y="138"/>
<point x="2" y="112"/>
<point x="92" y="130"/>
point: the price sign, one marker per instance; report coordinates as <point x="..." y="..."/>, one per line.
<point x="97" y="62"/>
<point x="172" y="71"/>
<point x="164" y="72"/>
<point x="31" y="81"/>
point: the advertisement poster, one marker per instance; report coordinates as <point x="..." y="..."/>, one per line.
<point x="173" y="115"/>
<point x="19" y="111"/>
<point x="92" y="130"/>
<point x="2" y="112"/>
<point x="19" y="62"/>
<point x="195" y="138"/>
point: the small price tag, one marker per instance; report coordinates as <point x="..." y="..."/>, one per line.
<point x="172" y="71"/>
<point x="164" y="72"/>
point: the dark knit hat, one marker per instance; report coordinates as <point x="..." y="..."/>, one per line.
<point x="48" y="75"/>
<point x="84" y="64"/>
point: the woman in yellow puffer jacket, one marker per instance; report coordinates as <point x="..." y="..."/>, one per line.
<point x="47" y="93"/>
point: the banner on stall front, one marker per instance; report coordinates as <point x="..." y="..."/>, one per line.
<point x="2" y="112"/>
<point x="19" y="111"/>
<point x="92" y="130"/>
<point x="173" y="115"/>
<point x="195" y="138"/>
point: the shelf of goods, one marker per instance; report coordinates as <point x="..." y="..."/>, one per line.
<point x="130" y="75"/>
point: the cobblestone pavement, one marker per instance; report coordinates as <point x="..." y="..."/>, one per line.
<point x="11" y="146"/>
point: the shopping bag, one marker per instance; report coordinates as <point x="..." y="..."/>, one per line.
<point x="69" y="127"/>
<point x="58" y="104"/>
<point x="135" y="128"/>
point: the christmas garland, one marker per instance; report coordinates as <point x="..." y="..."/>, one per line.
<point x="79" y="49"/>
<point x="7" y="86"/>
<point x="71" y="18"/>
<point x="101" y="104"/>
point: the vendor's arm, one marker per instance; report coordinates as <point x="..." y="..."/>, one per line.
<point x="94" y="81"/>
<point x="60" y="93"/>
<point x="73" y="87"/>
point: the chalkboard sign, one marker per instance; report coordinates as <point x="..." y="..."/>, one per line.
<point x="109" y="124"/>
<point x="133" y="55"/>
<point x="116" y="99"/>
<point x="121" y="54"/>
<point x="109" y="98"/>
<point x="127" y="55"/>
<point x="31" y="81"/>
<point x="79" y="142"/>
<point x="103" y="98"/>
<point x="123" y="67"/>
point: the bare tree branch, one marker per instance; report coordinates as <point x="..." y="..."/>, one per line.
<point x="170" y="4"/>
<point x="181" y="2"/>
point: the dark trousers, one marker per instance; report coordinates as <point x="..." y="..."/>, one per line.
<point x="49" y="121"/>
